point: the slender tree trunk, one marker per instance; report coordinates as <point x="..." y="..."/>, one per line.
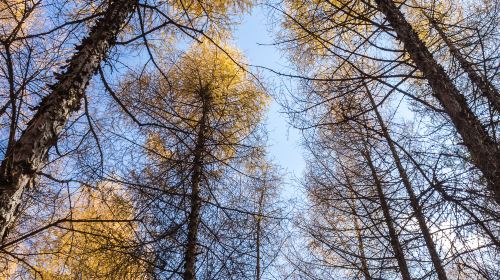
<point x="357" y="228"/>
<point x="417" y="210"/>
<point x="434" y="183"/>
<point x="361" y="246"/>
<point x="483" y="149"/>
<point x="28" y="154"/>
<point x="393" y="237"/>
<point x="483" y="84"/>
<point x="439" y="187"/>
<point x="258" y="233"/>
<point x="196" y="177"/>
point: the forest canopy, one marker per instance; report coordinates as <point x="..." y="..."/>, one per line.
<point x="136" y="140"/>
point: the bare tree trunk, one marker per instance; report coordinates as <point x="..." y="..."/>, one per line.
<point x="437" y="185"/>
<point x="353" y="197"/>
<point x="393" y="237"/>
<point x="28" y="154"/>
<point x="197" y="175"/>
<point x="484" y="85"/>
<point x="361" y="245"/>
<point x="417" y="211"/>
<point x="483" y="149"/>
<point x="258" y="233"/>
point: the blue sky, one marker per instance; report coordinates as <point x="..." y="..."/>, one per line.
<point x="253" y="37"/>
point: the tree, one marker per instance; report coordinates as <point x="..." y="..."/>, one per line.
<point x="157" y="166"/>
<point x="345" y="132"/>
<point x="351" y="36"/>
<point x="483" y="149"/>
<point x="24" y="157"/>
<point x="209" y="108"/>
<point x="31" y="140"/>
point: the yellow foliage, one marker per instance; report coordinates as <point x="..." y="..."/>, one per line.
<point x="91" y="249"/>
<point x="425" y="10"/>
<point x="214" y="17"/>
<point x="236" y="100"/>
<point x="316" y="25"/>
<point x="154" y="143"/>
<point x="210" y="8"/>
<point x="12" y="14"/>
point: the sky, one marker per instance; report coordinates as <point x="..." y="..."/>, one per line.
<point x="253" y="38"/>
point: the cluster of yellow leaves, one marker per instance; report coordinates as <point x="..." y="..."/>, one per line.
<point x="155" y="145"/>
<point x="215" y="17"/>
<point x="316" y="25"/>
<point x="422" y="11"/>
<point x="210" y="8"/>
<point x="97" y="245"/>
<point x="14" y="14"/>
<point x="11" y="10"/>
<point x="236" y="101"/>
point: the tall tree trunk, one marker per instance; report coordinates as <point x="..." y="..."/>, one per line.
<point x="28" y="154"/>
<point x="196" y="177"/>
<point x="258" y="233"/>
<point x="361" y="245"/>
<point x="483" y="84"/>
<point x="353" y="197"/>
<point x="483" y="149"/>
<point x="417" y="210"/>
<point x="438" y="186"/>
<point x="393" y="237"/>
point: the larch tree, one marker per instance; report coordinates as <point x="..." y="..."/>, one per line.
<point x="101" y="31"/>
<point x="133" y="141"/>
<point x="209" y="110"/>
<point x="343" y="33"/>
<point x="343" y="50"/>
<point x="26" y="155"/>
<point x="484" y="150"/>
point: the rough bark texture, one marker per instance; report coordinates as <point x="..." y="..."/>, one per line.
<point x="196" y="177"/>
<point x="393" y="236"/>
<point x="483" y="84"/>
<point x="28" y="154"/>
<point x="417" y="210"/>
<point x="483" y="149"/>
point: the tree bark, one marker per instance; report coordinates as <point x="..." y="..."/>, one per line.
<point x="483" y="149"/>
<point x="393" y="237"/>
<point x="197" y="175"/>
<point x="417" y="210"/>
<point x="29" y="153"/>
